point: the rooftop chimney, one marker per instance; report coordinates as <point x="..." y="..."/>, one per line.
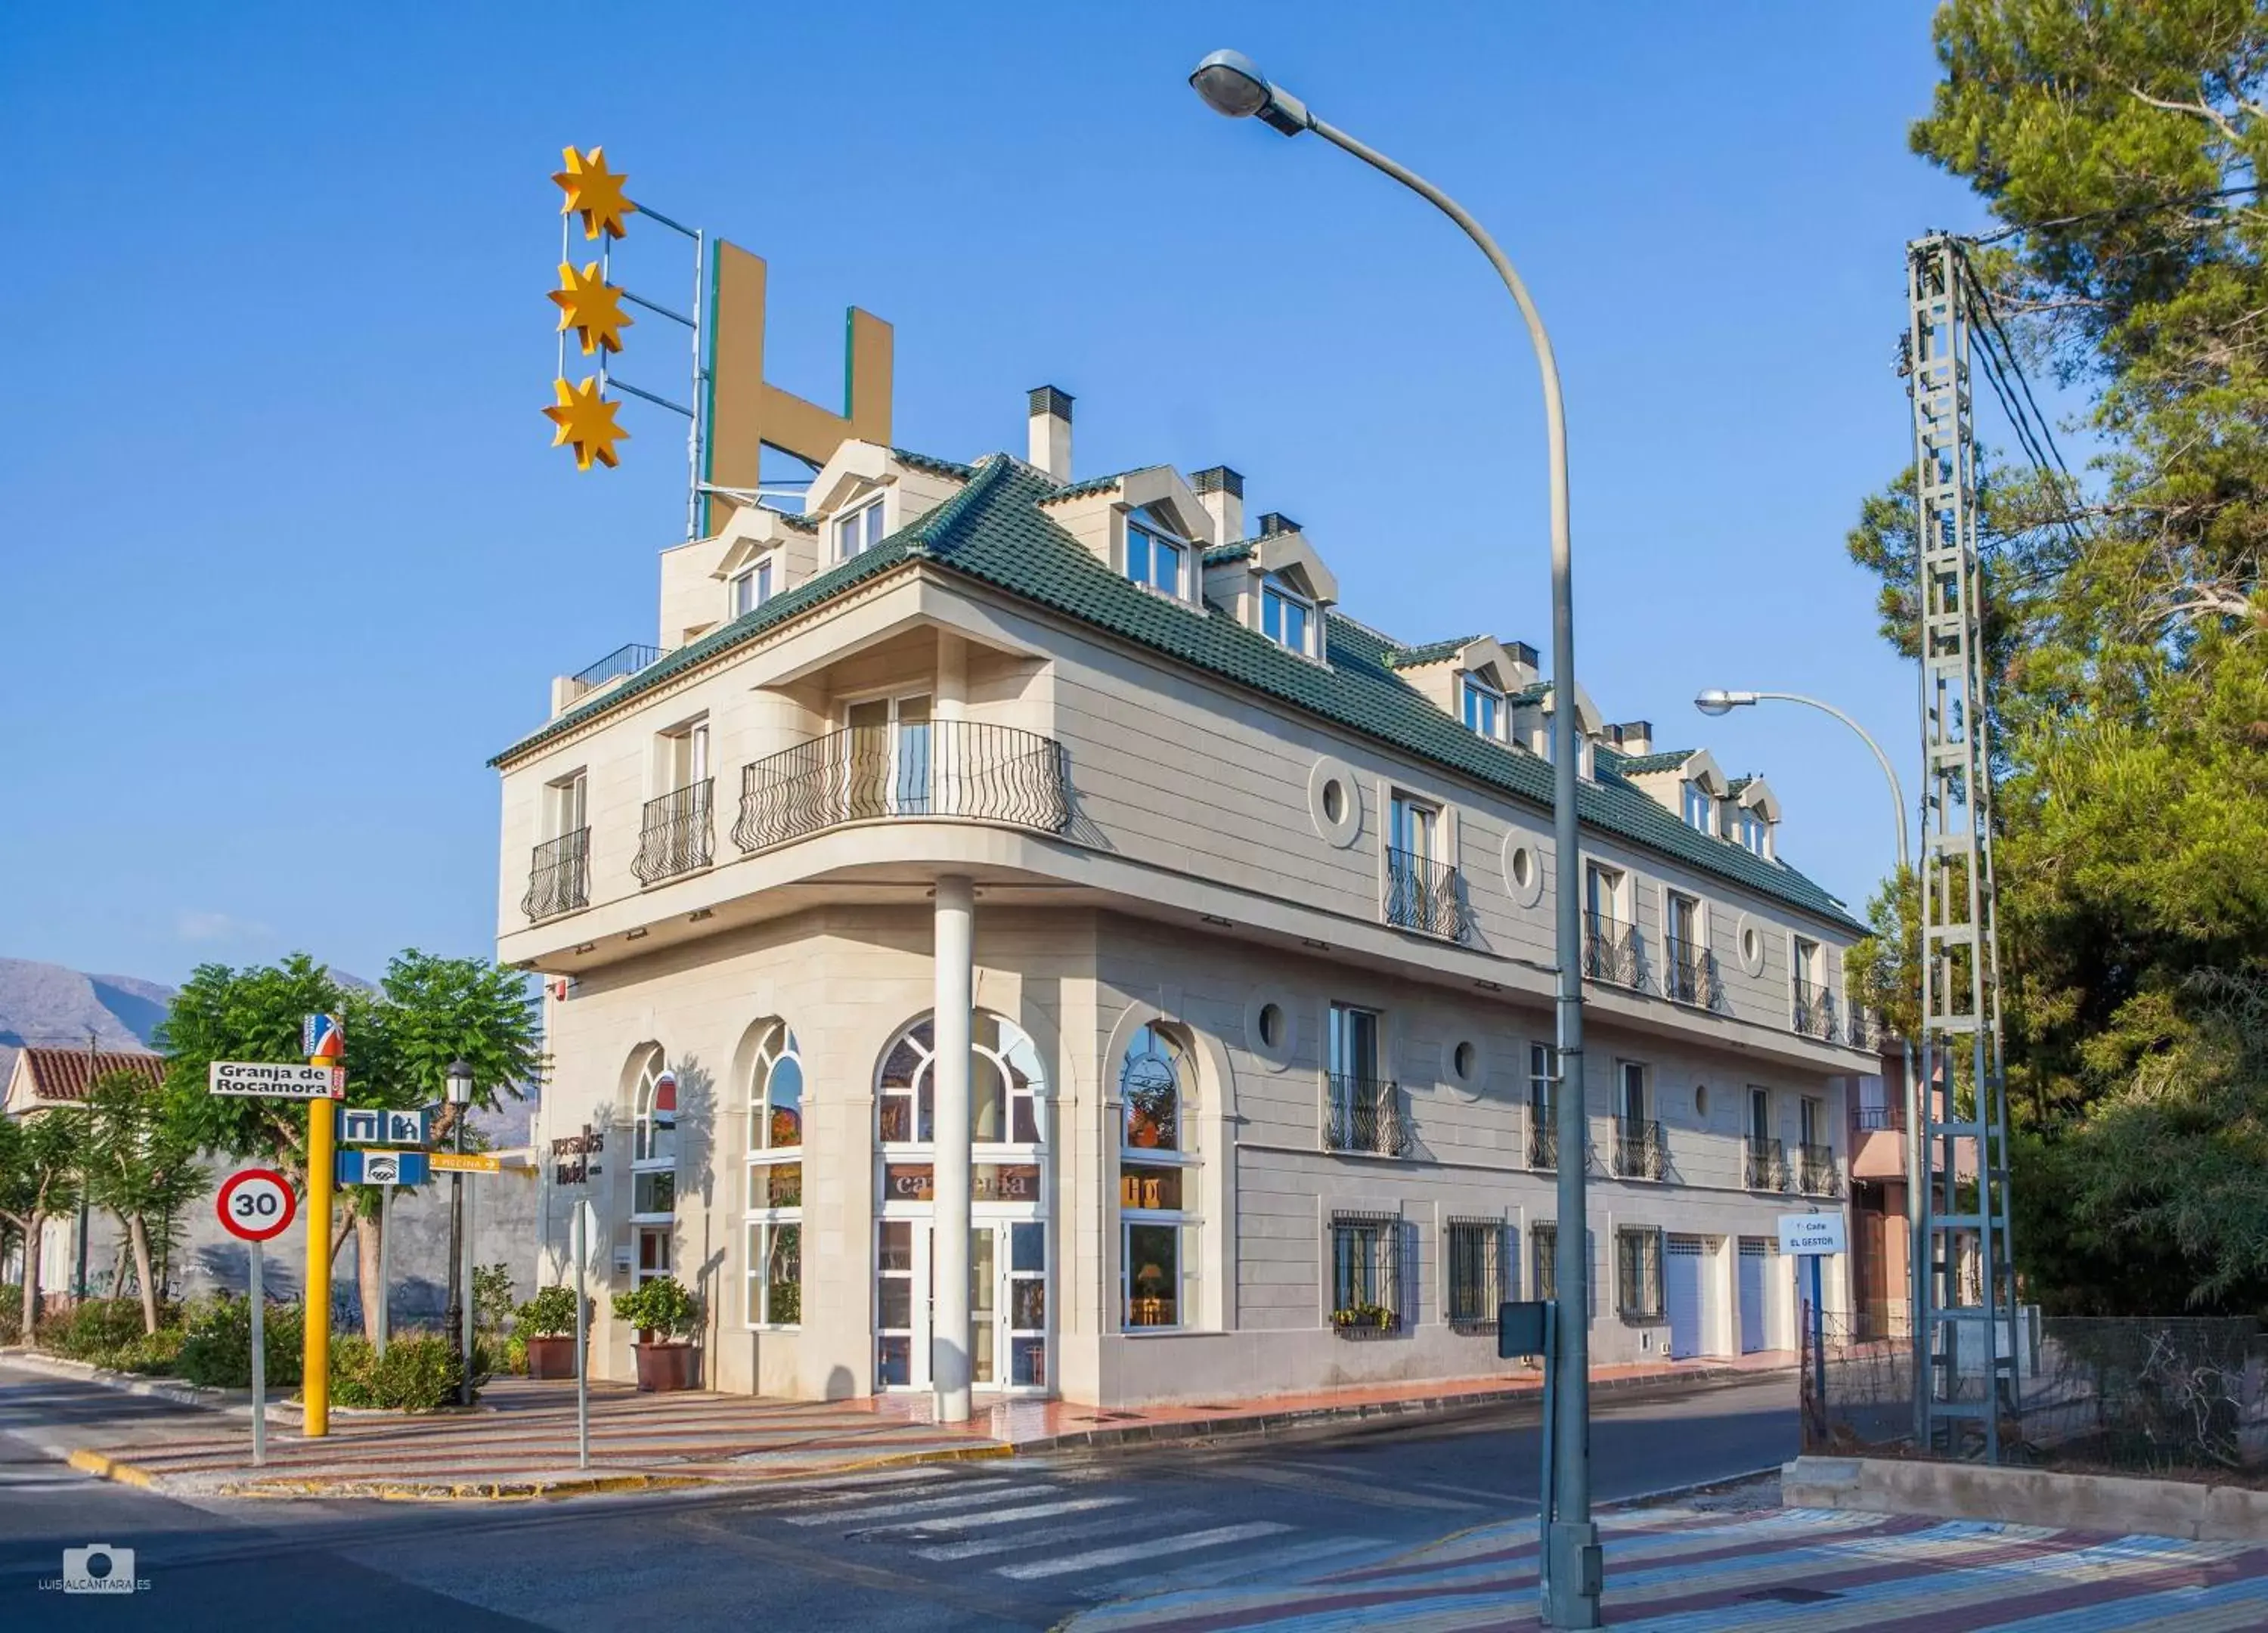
<point x="1274" y="522"/>
<point x="1052" y="432"/>
<point x="1634" y="737"/>
<point x="1520" y="652"/>
<point x="1221" y="491"/>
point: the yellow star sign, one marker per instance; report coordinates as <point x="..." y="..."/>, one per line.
<point x="585" y="421"/>
<point x="590" y="307"/>
<point x="594" y="192"/>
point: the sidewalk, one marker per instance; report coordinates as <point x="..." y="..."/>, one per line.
<point x="520" y="1442"/>
<point x="1791" y="1571"/>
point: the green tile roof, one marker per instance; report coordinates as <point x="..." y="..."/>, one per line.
<point x="930" y="462"/>
<point x="1638" y="765"/>
<point x="1415" y="656"/>
<point x="1222" y="554"/>
<point x="994" y="531"/>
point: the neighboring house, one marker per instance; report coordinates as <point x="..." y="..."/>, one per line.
<point x="42" y="1080"/>
<point x="1249" y="910"/>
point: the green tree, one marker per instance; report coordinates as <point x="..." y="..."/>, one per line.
<point x="2127" y="638"/>
<point x="137" y="1160"/>
<point x="38" y="1179"/>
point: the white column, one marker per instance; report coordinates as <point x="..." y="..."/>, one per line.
<point x="949" y="1346"/>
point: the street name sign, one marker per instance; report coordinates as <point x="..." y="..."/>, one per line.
<point x="1810" y="1234"/>
<point x="464" y="1162"/>
<point x="271" y="1081"/>
<point x="362" y="1167"/>
<point x="366" y="1126"/>
<point x="255" y="1204"/>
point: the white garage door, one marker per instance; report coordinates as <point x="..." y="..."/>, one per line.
<point x="1682" y="1288"/>
<point x="1753" y="1324"/>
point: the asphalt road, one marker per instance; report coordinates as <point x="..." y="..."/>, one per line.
<point x="963" y="1547"/>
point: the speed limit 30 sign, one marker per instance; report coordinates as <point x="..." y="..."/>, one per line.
<point x="256" y="1205"/>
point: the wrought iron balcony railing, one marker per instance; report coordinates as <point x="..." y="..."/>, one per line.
<point x="1543" y="1143"/>
<point x="1816" y="1173"/>
<point x="1692" y="975"/>
<point x="967" y="770"/>
<point x="1864" y="1030"/>
<point x="559" y="877"/>
<point x="1767" y="1165"/>
<point x="1875" y="1119"/>
<point x="677" y="836"/>
<point x="623" y="660"/>
<point x="1612" y="952"/>
<point x="1815" y="1011"/>
<point x="1364" y="1115"/>
<point x="1639" y="1154"/>
<point x="1425" y="895"/>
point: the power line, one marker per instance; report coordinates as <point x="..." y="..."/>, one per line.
<point x="2156" y="207"/>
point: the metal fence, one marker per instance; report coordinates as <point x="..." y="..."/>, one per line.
<point x="967" y="770"/>
<point x="2185" y="1396"/>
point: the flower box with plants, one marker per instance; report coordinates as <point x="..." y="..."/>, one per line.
<point x="546" y="1324"/>
<point x="1366" y="1320"/>
<point x="664" y="1314"/>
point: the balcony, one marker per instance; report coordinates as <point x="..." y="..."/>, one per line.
<point x="1639" y="1154"/>
<point x="1543" y="1145"/>
<point x="1815" y="1013"/>
<point x="1816" y="1173"/>
<point x="1863" y="1030"/>
<point x="559" y="877"/>
<point x="1767" y="1165"/>
<point x="1425" y="895"/>
<point x="1692" y="976"/>
<point x="677" y="836"/>
<point x="1364" y="1117"/>
<point x="623" y="660"/>
<point x="961" y="770"/>
<point x="1877" y="1119"/>
<point x="1612" y="952"/>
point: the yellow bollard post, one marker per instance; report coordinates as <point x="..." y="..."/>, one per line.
<point x="315" y="1363"/>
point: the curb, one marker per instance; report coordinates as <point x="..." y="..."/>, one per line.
<point x="464" y="1490"/>
<point x="1313" y="1417"/>
<point x="103" y="1467"/>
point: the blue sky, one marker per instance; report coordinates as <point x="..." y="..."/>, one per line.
<point x="284" y="555"/>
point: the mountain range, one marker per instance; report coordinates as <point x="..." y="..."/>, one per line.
<point x="50" y="1006"/>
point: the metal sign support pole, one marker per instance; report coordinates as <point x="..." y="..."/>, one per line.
<point x="1550" y="1488"/>
<point x="472" y="1194"/>
<point x="258" y="1297"/>
<point x="582" y="1348"/>
<point x="384" y="1323"/>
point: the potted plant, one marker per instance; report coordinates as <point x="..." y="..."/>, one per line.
<point x="663" y="1312"/>
<point x="547" y="1323"/>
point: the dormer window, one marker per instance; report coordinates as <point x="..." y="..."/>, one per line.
<point x="1155" y="559"/>
<point x="1287" y="618"/>
<point x="859" y="530"/>
<point x="1700" y="809"/>
<point x="1484" y="710"/>
<point x="1751" y="832"/>
<point x="753" y="588"/>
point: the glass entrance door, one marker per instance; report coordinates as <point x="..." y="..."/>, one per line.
<point x="1008" y="1305"/>
<point x="888" y="771"/>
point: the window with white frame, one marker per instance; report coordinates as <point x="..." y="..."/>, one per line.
<point x="1287" y="617"/>
<point x="653" y="1164"/>
<point x="1155" y="558"/>
<point x="1158" y="1208"/>
<point x="1006" y="1084"/>
<point x="1484" y="707"/>
<point x="774" y="1222"/>
<point x="752" y="587"/>
<point x="1700" y="809"/>
<point x="1542" y="1115"/>
<point x="858" y="529"/>
<point x="1751" y="832"/>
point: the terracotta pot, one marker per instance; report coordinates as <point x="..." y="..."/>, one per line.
<point x="551" y="1356"/>
<point x="664" y="1366"/>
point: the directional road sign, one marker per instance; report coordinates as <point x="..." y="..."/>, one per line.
<point x="255" y="1204"/>
<point x="465" y="1162"/>
<point x="365" y="1126"/>
<point x="274" y="1082"/>
<point x="362" y="1167"/>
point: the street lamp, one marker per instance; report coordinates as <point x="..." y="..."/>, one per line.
<point x="1230" y="84"/>
<point x="460" y="1299"/>
<point x="1718" y="702"/>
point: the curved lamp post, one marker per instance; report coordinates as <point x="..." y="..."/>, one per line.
<point x="1716" y="700"/>
<point x="1231" y="84"/>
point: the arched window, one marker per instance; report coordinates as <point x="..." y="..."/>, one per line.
<point x="773" y="1264"/>
<point x="1158" y="1219"/>
<point x="1006" y="1083"/>
<point x="654" y="1163"/>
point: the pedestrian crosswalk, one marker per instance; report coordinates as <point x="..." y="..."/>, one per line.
<point x="1055" y="1531"/>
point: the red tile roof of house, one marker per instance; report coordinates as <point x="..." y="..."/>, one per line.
<point x="65" y="1074"/>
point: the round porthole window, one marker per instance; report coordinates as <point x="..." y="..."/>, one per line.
<point x="1523" y="870"/>
<point x="1752" y="947"/>
<point x="1334" y="802"/>
<point x="1465" y="1064"/>
<point x="1466" y="1058"/>
<point x="1268" y="1028"/>
<point x="1701" y="1099"/>
<point x="1272" y="1026"/>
